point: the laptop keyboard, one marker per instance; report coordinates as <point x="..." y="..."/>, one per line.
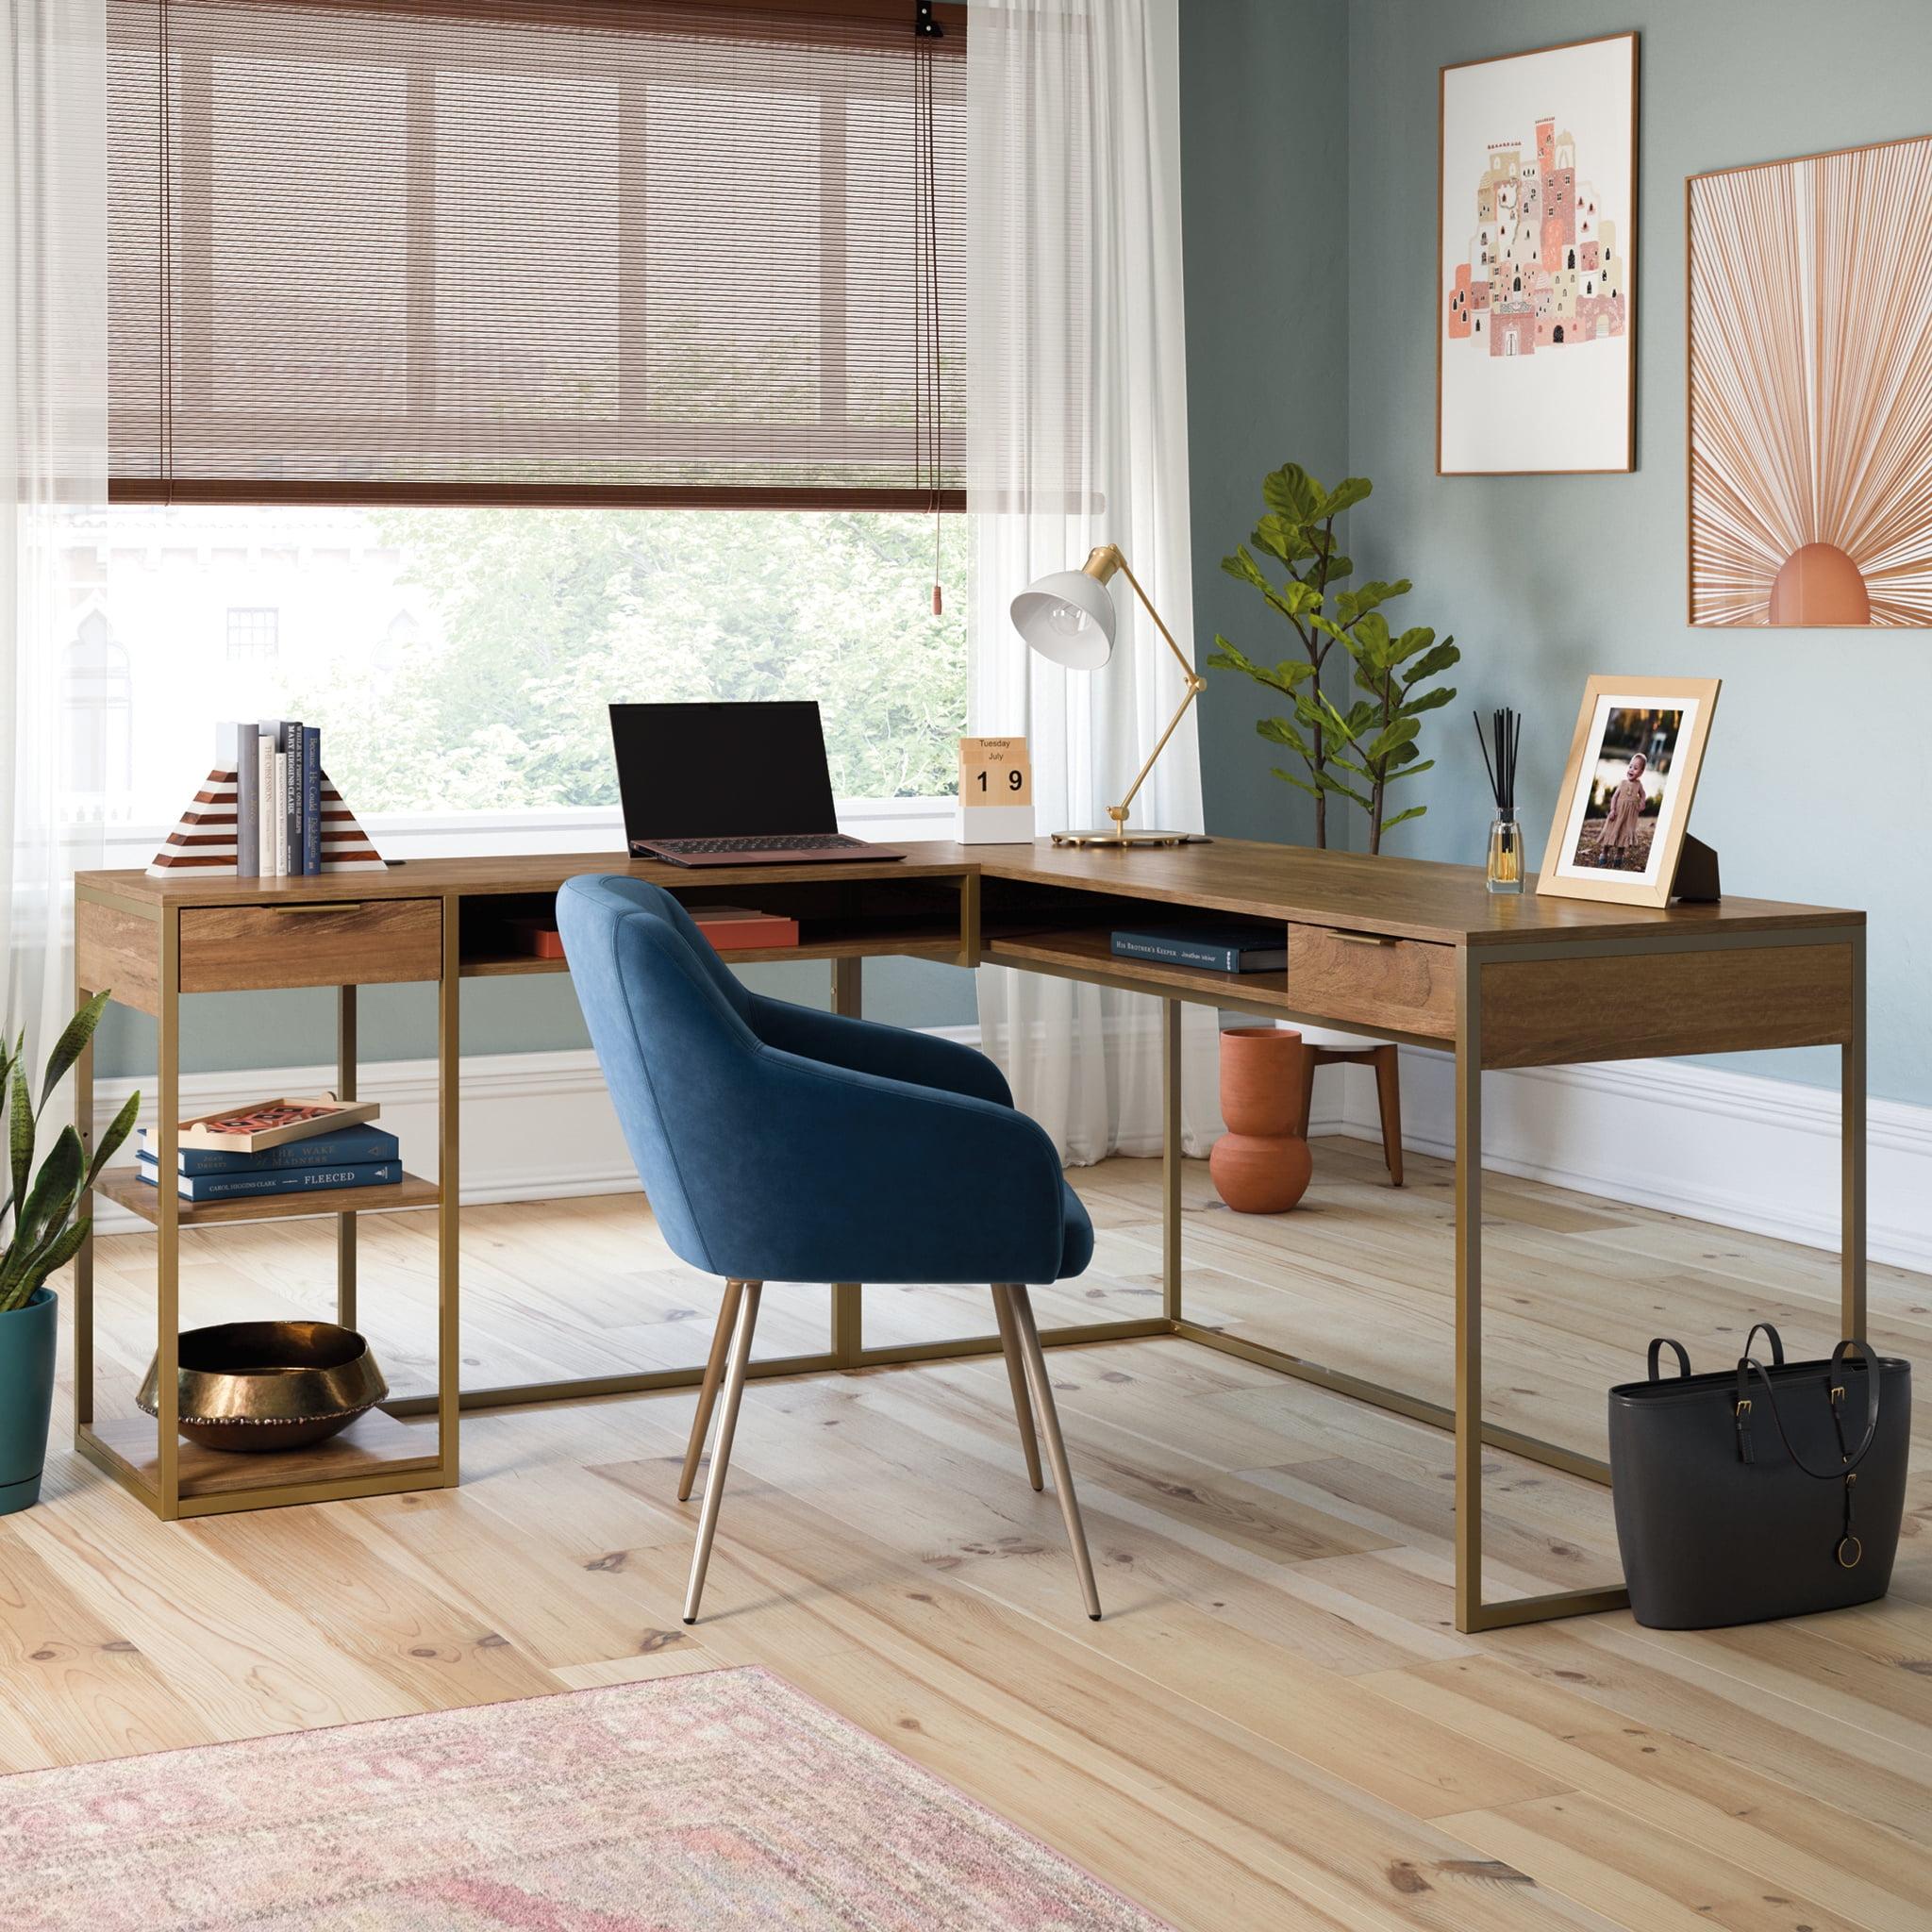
<point x="796" y="841"/>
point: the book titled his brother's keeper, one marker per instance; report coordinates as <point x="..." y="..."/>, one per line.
<point x="1215" y="949"/>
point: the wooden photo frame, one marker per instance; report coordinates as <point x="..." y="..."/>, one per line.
<point x="1536" y="253"/>
<point x="1632" y="850"/>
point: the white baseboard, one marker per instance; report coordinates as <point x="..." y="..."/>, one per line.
<point x="534" y="1125"/>
<point x="1729" y="1148"/>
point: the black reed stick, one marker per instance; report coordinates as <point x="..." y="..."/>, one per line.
<point x="1505" y="733"/>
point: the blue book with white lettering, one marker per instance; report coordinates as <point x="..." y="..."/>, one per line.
<point x="344" y="1147"/>
<point x="312" y="799"/>
<point x="272" y="1180"/>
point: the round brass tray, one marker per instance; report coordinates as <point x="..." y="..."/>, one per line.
<point x="255" y="1386"/>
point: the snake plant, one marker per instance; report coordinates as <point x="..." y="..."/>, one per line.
<point x="38" y="1231"/>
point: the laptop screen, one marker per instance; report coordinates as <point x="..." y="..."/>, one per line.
<point x="723" y="771"/>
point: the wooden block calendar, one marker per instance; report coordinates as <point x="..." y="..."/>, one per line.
<point x="995" y="792"/>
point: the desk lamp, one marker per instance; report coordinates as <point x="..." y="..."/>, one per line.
<point x="1068" y="617"/>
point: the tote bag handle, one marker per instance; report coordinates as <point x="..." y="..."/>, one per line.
<point x="1835" y="1386"/>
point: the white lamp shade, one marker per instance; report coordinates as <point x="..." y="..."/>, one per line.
<point x="1067" y="617"/>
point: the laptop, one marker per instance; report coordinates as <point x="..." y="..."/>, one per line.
<point x="730" y="784"/>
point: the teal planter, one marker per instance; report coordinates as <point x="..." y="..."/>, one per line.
<point x="26" y="1397"/>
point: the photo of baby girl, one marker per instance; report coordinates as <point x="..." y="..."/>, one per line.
<point x="1626" y="788"/>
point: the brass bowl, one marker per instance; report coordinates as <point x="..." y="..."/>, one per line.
<point x="255" y="1386"/>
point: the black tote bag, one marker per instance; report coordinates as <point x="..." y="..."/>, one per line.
<point x="1759" y="1492"/>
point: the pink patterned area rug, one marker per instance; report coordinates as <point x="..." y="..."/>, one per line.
<point x="724" y="1799"/>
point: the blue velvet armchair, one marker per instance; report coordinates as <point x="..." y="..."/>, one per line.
<point x="778" y="1143"/>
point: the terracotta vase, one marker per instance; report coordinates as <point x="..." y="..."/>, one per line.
<point x="1261" y="1164"/>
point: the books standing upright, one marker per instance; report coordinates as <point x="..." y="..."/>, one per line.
<point x="266" y="810"/>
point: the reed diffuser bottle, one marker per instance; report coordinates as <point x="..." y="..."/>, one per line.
<point x="1506" y="834"/>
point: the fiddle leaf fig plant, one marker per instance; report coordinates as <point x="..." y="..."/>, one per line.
<point x="38" y="1231"/>
<point x="1359" y="752"/>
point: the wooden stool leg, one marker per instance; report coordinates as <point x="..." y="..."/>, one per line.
<point x="1388" y="1094"/>
<point x="1311" y="1059"/>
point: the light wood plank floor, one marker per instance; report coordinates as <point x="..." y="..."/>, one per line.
<point x="1275" y="1725"/>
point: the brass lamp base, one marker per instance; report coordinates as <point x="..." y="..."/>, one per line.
<point x="1115" y="836"/>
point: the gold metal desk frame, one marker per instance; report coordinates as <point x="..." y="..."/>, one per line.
<point x="1390" y="948"/>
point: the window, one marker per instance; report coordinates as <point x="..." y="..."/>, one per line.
<point x="253" y="633"/>
<point x="504" y="358"/>
<point x="97" y="700"/>
<point x="459" y="661"/>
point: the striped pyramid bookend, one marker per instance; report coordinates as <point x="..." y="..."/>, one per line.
<point x="346" y="845"/>
<point x="203" y="841"/>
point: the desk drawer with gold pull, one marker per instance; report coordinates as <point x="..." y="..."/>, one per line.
<point x="312" y="942"/>
<point x="1407" y="986"/>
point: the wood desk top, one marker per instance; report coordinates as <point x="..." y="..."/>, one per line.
<point x="1406" y="898"/>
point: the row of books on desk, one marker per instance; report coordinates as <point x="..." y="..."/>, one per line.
<point x="358" y="1156"/>
<point x="277" y="796"/>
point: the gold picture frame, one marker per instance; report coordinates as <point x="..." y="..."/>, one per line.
<point x="1666" y="722"/>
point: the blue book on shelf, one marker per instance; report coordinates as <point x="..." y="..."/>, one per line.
<point x="292" y="793"/>
<point x="1215" y="949"/>
<point x="312" y="799"/>
<point x="274" y="1180"/>
<point x="344" y="1147"/>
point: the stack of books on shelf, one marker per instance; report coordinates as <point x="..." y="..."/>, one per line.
<point x="312" y="1147"/>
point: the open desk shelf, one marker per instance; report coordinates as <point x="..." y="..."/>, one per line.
<point x="373" y="1444"/>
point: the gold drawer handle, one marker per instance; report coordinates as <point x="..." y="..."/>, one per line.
<point x="328" y="906"/>
<point x="1362" y="939"/>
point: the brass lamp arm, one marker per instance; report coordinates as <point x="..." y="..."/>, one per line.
<point x="1101" y="564"/>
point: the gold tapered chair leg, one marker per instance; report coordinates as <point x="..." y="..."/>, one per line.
<point x="721" y="1455"/>
<point x="1016" y="1375"/>
<point x="1021" y="1307"/>
<point x="707" y="1391"/>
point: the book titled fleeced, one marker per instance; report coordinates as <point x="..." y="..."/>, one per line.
<point x="1215" y="949"/>
<point x="272" y="1180"/>
<point x="340" y="1149"/>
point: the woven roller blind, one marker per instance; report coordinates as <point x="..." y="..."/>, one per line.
<point x="503" y="250"/>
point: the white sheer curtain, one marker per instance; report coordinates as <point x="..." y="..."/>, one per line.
<point x="53" y="457"/>
<point x="1077" y="436"/>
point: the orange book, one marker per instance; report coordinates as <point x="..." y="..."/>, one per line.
<point x="739" y="928"/>
<point x="537" y="939"/>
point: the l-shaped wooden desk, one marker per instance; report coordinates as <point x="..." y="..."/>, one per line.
<point x="1394" y="948"/>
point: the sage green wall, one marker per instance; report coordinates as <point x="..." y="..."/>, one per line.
<point x="1264" y="186"/>
<point x="1813" y="787"/>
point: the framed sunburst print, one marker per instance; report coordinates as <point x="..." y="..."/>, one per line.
<point x="1810" y="375"/>
<point x="1536" y="262"/>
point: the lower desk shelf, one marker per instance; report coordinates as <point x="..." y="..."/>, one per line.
<point x="126" y="1187"/>
<point x="1085" y="952"/>
<point x="374" y="1445"/>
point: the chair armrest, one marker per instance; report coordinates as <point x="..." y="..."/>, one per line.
<point x="895" y="1052"/>
<point x="835" y="1173"/>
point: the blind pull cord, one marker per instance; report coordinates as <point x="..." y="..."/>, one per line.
<point x="928" y="419"/>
